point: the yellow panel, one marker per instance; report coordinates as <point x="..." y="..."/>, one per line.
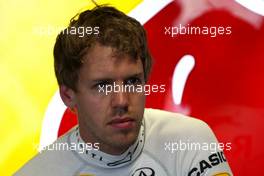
<point x="26" y="70"/>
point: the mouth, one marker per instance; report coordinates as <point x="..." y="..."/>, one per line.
<point x="122" y="123"/>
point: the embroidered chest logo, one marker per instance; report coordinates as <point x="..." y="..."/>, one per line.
<point x="144" y="171"/>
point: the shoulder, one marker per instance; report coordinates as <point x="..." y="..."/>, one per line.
<point x="53" y="160"/>
<point x="164" y="128"/>
<point x="175" y="124"/>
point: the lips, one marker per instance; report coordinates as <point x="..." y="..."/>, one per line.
<point x="122" y="123"/>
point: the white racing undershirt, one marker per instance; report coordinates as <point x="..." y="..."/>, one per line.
<point x="154" y="153"/>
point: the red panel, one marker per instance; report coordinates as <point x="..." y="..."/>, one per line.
<point x="69" y="120"/>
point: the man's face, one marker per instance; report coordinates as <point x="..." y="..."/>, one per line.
<point x="114" y="119"/>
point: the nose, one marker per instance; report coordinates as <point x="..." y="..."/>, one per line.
<point x="120" y="100"/>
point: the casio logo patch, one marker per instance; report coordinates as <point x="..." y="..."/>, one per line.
<point x="211" y="161"/>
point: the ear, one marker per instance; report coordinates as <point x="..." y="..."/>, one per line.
<point x="68" y="96"/>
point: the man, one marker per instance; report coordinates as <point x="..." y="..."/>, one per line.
<point x="102" y="73"/>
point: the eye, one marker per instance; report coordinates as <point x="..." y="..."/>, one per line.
<point x="133" y="81"/>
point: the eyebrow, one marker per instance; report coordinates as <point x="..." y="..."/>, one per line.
<point x="107" y="79"/>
